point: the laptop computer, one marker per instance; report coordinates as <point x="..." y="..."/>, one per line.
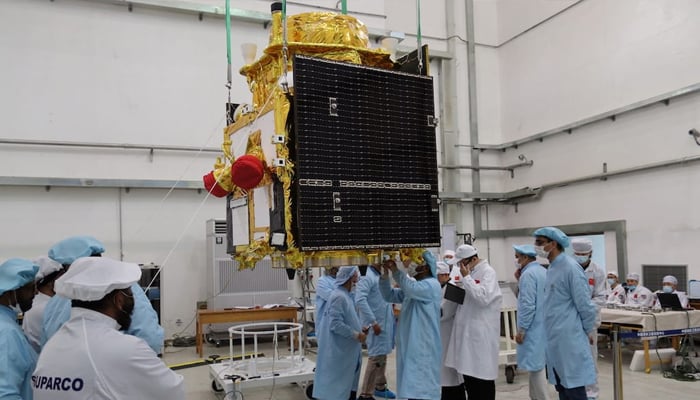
<point x="669" y="300"/>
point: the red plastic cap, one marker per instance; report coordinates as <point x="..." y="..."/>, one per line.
<point x="247" y="171"/>
<point x="212" y="186"/>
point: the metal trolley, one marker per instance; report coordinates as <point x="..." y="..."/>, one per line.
<point x="231" y="377"/>
<point x="507" y="354"/>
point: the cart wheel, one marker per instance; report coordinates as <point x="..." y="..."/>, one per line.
<point x="215" y="387"/>
<point x="510" y="373"/>
<point x="310" y="391"/>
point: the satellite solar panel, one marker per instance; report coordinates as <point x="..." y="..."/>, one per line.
<point x="366" y="163"/>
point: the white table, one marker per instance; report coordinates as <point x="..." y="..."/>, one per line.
<point x="651" y="325"/>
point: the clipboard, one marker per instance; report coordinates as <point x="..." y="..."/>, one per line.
<point x="454" y="293"/>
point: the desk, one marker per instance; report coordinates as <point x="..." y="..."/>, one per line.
<point x="650" y="323"/>
<point x="231" y="316"/>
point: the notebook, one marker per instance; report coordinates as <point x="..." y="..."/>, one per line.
<point x="669" y="300"/>
<point x="454" y="293"/>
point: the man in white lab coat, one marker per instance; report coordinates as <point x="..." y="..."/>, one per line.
<point x="451" y="381"/>
<point x="595" y="274"/>
<point x="89" y="357"/>
<point x="49" y="271"/>
<point x="638" y="295"/>
<point x="669" y="285"/>
<point x="474" y="343"/>
<point x="617" y="293"/>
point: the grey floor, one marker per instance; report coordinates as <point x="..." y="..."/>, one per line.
<point x="636" y="385"/>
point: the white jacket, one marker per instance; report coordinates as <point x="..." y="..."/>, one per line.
<point x="596" y="276"/>
<point x="88" y="358"/>
<point x="617" y="295"/>
<point x="33" y="320"/>
<point x="640" y="296"/>
<point x="474" y="343"/>
<point x="448" y="376"/>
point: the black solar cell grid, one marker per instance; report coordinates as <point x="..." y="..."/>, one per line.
<point x="366" y="163"/>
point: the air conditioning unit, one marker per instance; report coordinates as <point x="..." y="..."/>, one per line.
<point x="227" y="287"/>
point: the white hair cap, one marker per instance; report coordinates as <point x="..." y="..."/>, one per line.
<point x="47" y="267"/>
<point x="581" y="245"/>
<point x="613" y="273"/>
<point x="442" y="268"/>
<point x="633" y="276"/>
<point x="448" y="253"/>
<point x="465" y="251"/>
<point x="92" y="278"/>
<point x="670" y="279"/>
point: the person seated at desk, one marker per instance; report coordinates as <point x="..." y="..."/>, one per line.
<point x="637" y="294"/>
<point x="669" y="285"/>
<point x="617" y="293"/>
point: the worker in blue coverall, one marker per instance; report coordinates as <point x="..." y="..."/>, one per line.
<point x="569" y="317"/>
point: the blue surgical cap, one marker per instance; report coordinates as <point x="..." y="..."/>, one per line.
<point x="68" y="250"/>
<point x="15" y="273"/>
<point x="553" y="233"/>
<point x="429" y="259"/>
<point x="525" y="249"/>
<point x="344" y="275"/>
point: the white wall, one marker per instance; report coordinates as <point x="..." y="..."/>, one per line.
<point x="592" y="58"/>
<point x="93" y="72"/>
<point x="597" y="56"/>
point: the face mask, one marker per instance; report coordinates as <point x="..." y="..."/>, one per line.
<point x="412" y="270"/>
<point x="582" y="259"/>
<point x="447" y="259"/>
<point x="541" y="252"/>
<point x="668" y="289"/>
<point x="517" y="265"/>
<point x="611" y="281"/>
<point x="631" y="287"/>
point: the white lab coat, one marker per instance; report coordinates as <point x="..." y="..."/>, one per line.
<point x="640" y="296"/>
<point x="474" y="342"/>
<point x="88" y="358"/>
<point x="596" y="277"/>
<point x="33" y="319"/>
<point x="617" y="295"/>
<point x="682" y="297"/>
<point x="448" y="376"/>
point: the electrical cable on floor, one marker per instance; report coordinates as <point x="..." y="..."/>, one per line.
<point x="176" y="335"/>
<point x="686" y="371"/>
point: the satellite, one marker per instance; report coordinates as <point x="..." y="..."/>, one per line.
<point x="334" y="162"/>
